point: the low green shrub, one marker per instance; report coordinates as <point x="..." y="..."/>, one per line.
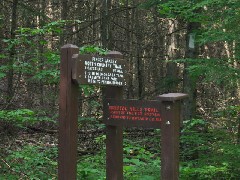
<point x="31" y="162"/>
<point x="22" y="117"/>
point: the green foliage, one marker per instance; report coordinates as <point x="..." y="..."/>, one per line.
<point x="31" y="162"/>
<point x="229" y="119"/>
<point x="221" y="163"/>
<point x="52" y="27"/>
<point x="41" y="65"/>
<point x="207" y="153"/>
<point x="88" y="90"/>
<point x="3" y="71"/>
<point x="93" y="49"/>
<point x="92" y="167"/>
<point x="51" y="74"/>
<point x="21" y="117"/>
<point x="229" y="112"/>
<point x="149" y="4"/>
<point x="217" y="159"/>
<point x="140" y="163"/>
<point x="34" y="62"/>
<point x="205" y="172"/>
<point x="33" y="57"/>
<point x="194" y="139"/>
<point x="217" y="21"/>
<point x="218" y="71"/>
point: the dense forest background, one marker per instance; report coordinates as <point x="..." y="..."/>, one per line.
<point x="190" y="46"/>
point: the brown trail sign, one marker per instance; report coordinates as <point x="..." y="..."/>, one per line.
<point x="110" y="71"/>
<point x="132" y="113"/>
<point x="99" y="70"/>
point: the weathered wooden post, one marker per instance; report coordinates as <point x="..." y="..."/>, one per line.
<point x="108" y="71"/>
<point x="170" y="130"/>
<point x="114" y="134"/>
<point x="67" y="136"/>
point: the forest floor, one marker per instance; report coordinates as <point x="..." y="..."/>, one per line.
<point x="32" y="153"/>
<point x="23" y="150"/>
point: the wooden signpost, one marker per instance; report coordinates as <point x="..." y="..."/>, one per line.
<point x="110" y="71"/>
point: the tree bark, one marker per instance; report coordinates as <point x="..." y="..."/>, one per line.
<point x="156" y="66"/>
<point x="64" y="16"/>
<point x="105" y="25"/>
<point x="128" y="33"/>
<point x="238" y="132"/>
<point x="139" y="52"/>
<point x="10" y="74"/>
<point x="172" y="69"/>
<point x="42" y="7"/>
<point x="189" y="84"/>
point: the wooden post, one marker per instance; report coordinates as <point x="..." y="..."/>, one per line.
<point x="67" y="163"/>
<point x="114" y="134"/>
<point x="170" y="130"/>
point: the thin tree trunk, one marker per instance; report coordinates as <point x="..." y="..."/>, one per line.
<point x="235" y="52"/>
<point x="42" y="7"/>
<point x="94" y="27"/>
<point x="139" y="53"/>
<point x="189" y="84"/>
<point x="105" y="24"/>
<point x="1" y="24"/>
<point x="12" y="52"/>
<point x="128" y="32"/>
<point x="172" y="69"/>
<point x="157" y="72"/>
<point x="64" y="16"/>
<point x="238" y="132"/>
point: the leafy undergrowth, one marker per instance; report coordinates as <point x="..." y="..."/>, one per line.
<point x="204" y="155"/>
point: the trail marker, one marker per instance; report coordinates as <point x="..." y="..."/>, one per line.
<point x="110" y="71"/>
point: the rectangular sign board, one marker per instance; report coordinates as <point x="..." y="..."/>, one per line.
<point x="99" y="70"/>
<point x="132" y="113"/>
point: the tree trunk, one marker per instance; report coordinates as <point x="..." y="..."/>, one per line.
<point x="105" y="25"/>
<point x="42" y="7"/>
<point x="238" y="132"/>
<point x="189" y="84"/>
<point x="139" y="52"/>
<point x="172" y="69"/>
<point x="156" y="67"/>
<point x="128" y="33"/>
<point x="12" y="52"/>
<point x="1" y="25"/>
<point x="64" y="16"/>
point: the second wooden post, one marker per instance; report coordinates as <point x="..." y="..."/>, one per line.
<point x="170" y="130"/>
<point x="114" y="134"/>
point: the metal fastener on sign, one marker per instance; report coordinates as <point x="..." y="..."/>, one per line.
<point x="168" y="107"/>
<point x="79" y="76"/>
<point x="168" y="122"/>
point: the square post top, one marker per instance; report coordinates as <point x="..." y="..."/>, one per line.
<point x="68" y="46"/>
<point x="172" y="97"/>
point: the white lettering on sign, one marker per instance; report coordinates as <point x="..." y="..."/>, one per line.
<point x="105" y="71"/>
